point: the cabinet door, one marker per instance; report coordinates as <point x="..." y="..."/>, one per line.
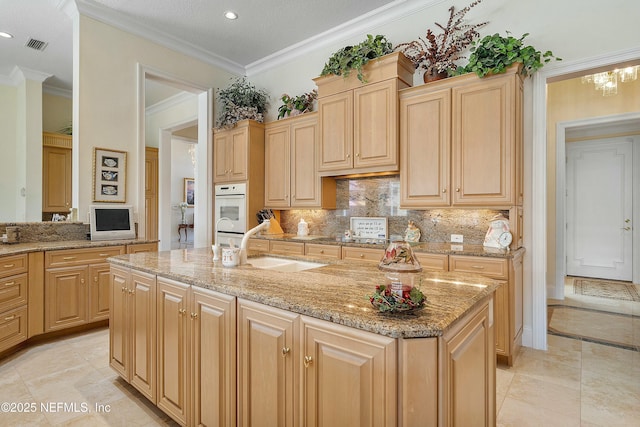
<point x="467" y="375"/>
<point x="336" y="131"/>
<point x="119" y="322"/>
<point x="172" y="334"/>
<point x="375" y="122"/>
<point x="99" y="292"/>
<point x="65" y="295"/>
<point x="349" y="378"/>
<point x="151" y="192"/>
<point x="268" y="366"/>
<point x="305" y="181"/>
<point x="56" y="179"/>
<point x="483" y="143"/>
<point x="276" y="166"/>
<point x="142" y="330"/>
<point x="221" y="144"/>
<point x="213" y="319"/>
<point x="239" y="155"/>
<point x="425" y="151"/>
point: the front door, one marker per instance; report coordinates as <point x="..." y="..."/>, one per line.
<point x="599" y="209"/>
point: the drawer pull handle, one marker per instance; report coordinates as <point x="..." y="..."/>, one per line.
<point x="308" y="360"/>
<point x="9" y="265"/>
<point x="13" y="316"/>
<point x="82" y="281"/>
<point x="95" y="278"/>
<point x="285" y="351"/>
<point x="103" y="255"/>
<point x="9" y="284"/>
<point x="68" y="258"/>
<point x="479" y="267"/>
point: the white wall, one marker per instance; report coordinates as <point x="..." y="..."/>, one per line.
<point x="105" y="96"/>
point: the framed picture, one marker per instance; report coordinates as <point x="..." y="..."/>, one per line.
<point x="109" y="175"/>
<point x="190" y="191"/>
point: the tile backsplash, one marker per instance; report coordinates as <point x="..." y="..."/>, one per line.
<point x="380" y="196"/>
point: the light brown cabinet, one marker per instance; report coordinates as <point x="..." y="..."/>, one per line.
<point x="286" y="248"/>
<point x="461" y="142"/>
<point x="142" y="247"/>
<point x="14" y="284"/>
<point x="151" y="192"/>
<point x="359" y="122"/>
<point x="56" y="173"/>
<point x="132" y="329"/>
<point x="362" y="254"/>
<point x="235" y="149"/>
<point x="291" y="174"/>
<point x="323" y="251"/>
<point x="76" y="286"/>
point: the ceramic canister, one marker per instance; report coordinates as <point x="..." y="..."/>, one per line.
<point x="230" y="257"/>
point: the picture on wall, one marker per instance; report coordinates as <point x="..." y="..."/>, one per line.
<point x="109" y="180"/>
<point x="190" y="191"/>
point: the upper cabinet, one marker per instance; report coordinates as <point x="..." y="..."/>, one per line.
<point x="233" y="149"/>
<point x="358" y="123"/>
<point x="461" y="142"/>
<point x="56" y="172"/>
<point x="291" y="175"/>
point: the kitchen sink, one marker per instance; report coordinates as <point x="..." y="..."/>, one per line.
<point x="282" y="264"/>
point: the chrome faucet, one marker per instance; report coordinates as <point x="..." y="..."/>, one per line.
<point x="216" y="247"/>
<point x="245" y="239"/>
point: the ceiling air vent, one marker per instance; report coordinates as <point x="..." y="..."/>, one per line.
<point x="36" y="44"/>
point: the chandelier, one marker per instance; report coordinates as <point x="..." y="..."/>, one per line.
<point x="192" y="154"/>
<point x="607" y="81"/>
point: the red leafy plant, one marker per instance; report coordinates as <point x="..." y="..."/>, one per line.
<point x="438" y="53"/>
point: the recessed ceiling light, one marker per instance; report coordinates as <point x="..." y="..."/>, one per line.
<point x="6" y="35"/>
<point x="230" y="15"/>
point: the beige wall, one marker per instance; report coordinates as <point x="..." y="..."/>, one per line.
<point x="8" y="147"/>
<point x="56" y="112"/>
<point x="106" y="93"/>
<point x="570" y="100"/>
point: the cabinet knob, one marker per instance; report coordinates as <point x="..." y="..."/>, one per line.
<point x="194" y="315"/>
<point x="444" y="190"/>
<point x="182" y="311"/>
<point x="124" y="289"/>
<point x="131" y="291"/>
<point x="82" y="281"/>
<point x="357" y="154"/>
<point x="321" y="251"/>
<point x="361" y="255"/>
<point x="458" y="190"/>
<point x="95" y="278"/>
<point x="307" y="361"/>
<point x="285" y="351"/>
<point x="348" y="156"/>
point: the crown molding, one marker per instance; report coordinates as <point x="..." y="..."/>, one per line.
<point x="20" y="74"/>
<point x="110" y="17"/>
<point x="170" y="102"/>
<point x="383" y="15"/>
<point x="52" y="90"/>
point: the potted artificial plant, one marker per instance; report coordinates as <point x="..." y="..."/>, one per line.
<point x="436" y="54"/>
<point x="241" y="101"/>
<point x="293" y="106"/>
<point x="493" y="54"/>
<point x="349" y="58"/>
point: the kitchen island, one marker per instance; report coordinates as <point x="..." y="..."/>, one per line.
<point x="212" y="344"/>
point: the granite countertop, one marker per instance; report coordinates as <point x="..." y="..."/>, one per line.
<point x="337" y="292"/>
<point x="419" y="247"/>
<point x="21" y="248"/>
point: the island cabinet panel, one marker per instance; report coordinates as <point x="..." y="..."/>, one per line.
<point x="468" y="375"/>
<point x="132" y="329"/>
<point x="418" y="382"/>
<point x="213" y="359"/>
<point x="349" y="376"/>
<point x="173" y="339"/>
<point x="269" y="366"/>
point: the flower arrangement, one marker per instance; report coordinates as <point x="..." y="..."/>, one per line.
<point x="355" y="57"/>
<point x="293" y="106"/>
<point x="241" y="101"/>
<point x="437" y="53"/>
<point x="387" y="301"/>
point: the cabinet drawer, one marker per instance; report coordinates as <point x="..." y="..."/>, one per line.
<point x="13" y="328"/>
<point x="259" y="245"/>
<point x="10" y="265"/>
<point x="492" y="267"/>
<point x="287" y="248"/>
<point x="433" y="262"/>
<point x="362" y="254"/>
<point x="13" y="292"/>
<point x="142" y="247"/>
<point x="80" y="256"/>
<point x="323" y="251"/>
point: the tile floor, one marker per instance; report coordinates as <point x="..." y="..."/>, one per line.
<point x="573" y="383"/>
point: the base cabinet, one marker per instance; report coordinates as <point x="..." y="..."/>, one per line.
<point x="13" y="300"/>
